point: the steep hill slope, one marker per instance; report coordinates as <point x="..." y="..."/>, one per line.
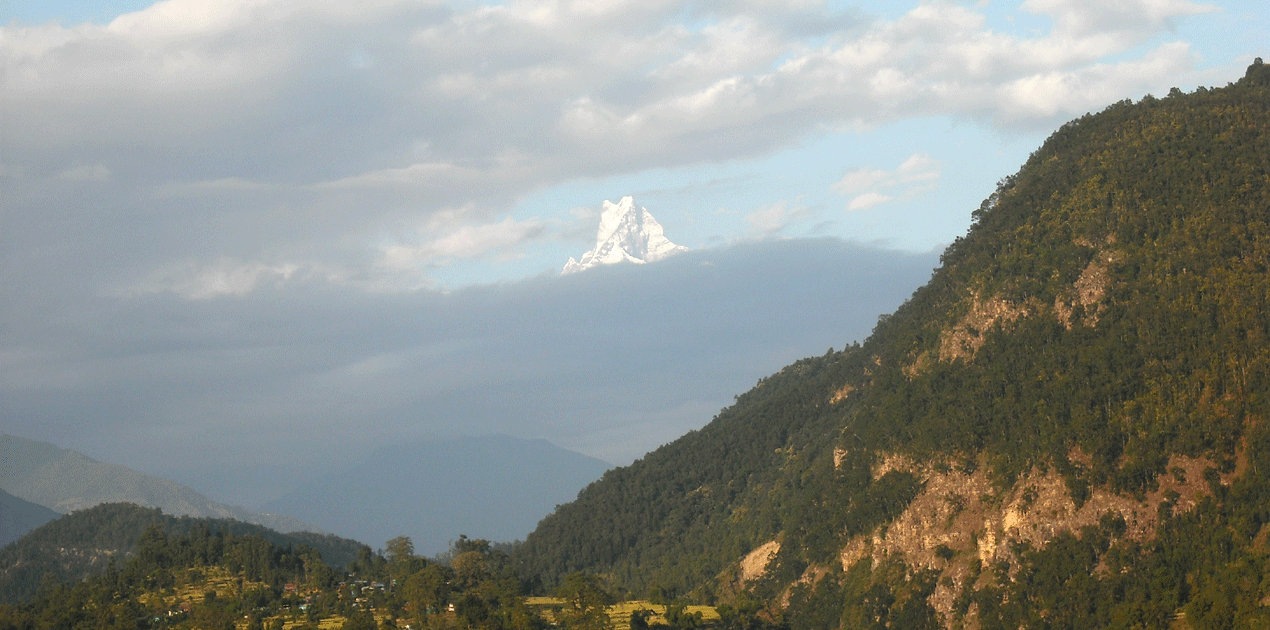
<point x="65" y="481"/>
<point x="1066" y="427"/>
<point x="494" y="487"/>
<point x="86" y="542"/>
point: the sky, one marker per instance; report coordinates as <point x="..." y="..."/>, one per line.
<point x="243" y="239"/>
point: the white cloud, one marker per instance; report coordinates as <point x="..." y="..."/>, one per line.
<point x="225" y="277"/>
<point x="867" y="200"/>
<point x="1085" y="17"/>
<point x="468" y="241"/>
<point x="315" y="128"/>
<point x="919" y="167"/>
<point x="421" y="174"/>
<point x="769" y="219"/>
<point x="1057" y="92"/>
<point x="397" y="268"/>
<point x="861" y="179"/>
<point x="869" y="187"/>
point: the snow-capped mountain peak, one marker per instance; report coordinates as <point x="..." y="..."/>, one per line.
<point x="627" y="233"/>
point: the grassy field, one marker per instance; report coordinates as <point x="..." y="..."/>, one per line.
<point x="194" y="585"/>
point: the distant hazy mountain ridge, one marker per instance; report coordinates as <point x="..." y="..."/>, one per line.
<point x="495" y="487"/>
<point x="627" y="233"/>
<point x="18" y="517"/>
<point x="65" y="481"/>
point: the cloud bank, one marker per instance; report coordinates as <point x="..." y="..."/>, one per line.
<point x="372" y="144"/>
<point x="243" y="395"/>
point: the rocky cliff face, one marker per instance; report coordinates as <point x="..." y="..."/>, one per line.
<point x="961" y="523"/>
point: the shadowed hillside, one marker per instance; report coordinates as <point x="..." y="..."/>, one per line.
<point x="65" y="481"/>
<point x="18" y="517"/>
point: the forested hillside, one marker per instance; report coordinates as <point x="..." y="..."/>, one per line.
<point x="217" y="580"/>
<point x="88" y="542"/>
<point x="1065" y="428"/>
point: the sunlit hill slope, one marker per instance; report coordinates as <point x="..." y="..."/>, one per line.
<point x="1065" y="428"/>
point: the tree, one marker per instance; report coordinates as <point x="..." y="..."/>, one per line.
<point x="426" y="590"/>
<point x="679" y="618"/>
<point x="360" y="620"/>
<point x="399" y="550"/>
<point x="639" y="619"/>
<point x="586" y="602"/>
<point x="470" y="569"/>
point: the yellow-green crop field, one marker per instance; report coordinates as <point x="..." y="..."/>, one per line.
<point x="620" y="613"/>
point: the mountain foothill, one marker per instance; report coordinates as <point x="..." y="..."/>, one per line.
<point x="493" y="487"/>
<point x="1066" y="427"/>
<point x="64" y="481"/>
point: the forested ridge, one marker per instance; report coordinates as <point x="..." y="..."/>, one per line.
<point x="85" y="543"/>
<point x="196" y="577"/>
<point x="1099" y="332"/>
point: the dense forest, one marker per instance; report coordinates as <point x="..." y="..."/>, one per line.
<point x="1096" y="341"/>
<point x="84" y="543"/>
<point x="214" y="579"/>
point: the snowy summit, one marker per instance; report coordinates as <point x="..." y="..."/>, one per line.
<point x="626" y="233"/>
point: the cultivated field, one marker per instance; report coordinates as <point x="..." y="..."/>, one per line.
<point x="620" y="613"/>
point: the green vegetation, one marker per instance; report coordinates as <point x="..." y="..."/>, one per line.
<point x="219" y="580"/>
<point x="85" y="543"/>
<point x="1107" y="311"/>
<point x="222" y="581"/>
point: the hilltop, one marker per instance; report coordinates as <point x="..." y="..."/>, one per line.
<point x="1064" y="428"/>
<point x="88" y="542"/>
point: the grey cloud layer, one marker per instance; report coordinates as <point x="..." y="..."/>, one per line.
<point x="612" y="362"/>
